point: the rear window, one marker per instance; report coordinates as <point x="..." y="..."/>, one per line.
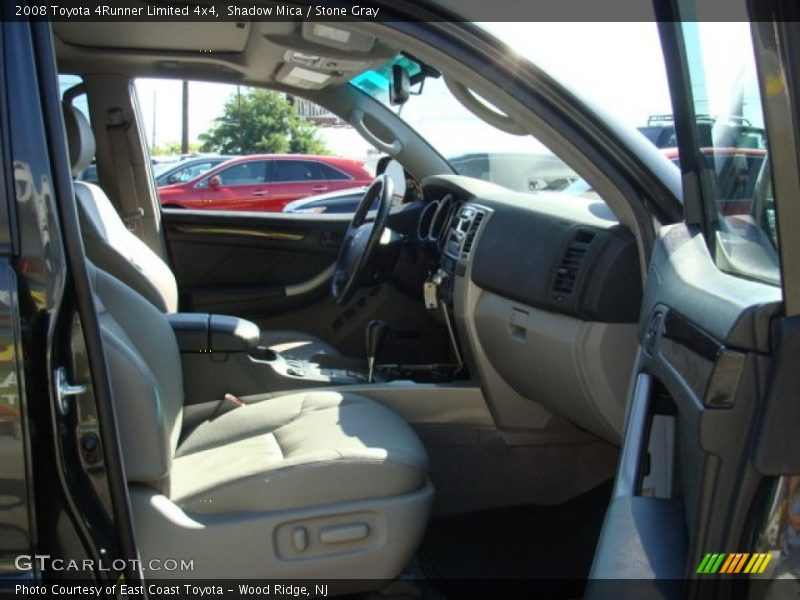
<point x="333" y="174"/>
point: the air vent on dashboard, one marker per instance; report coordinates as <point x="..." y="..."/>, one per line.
<point x="567" y="273"/>
<point x="469" y="239"/>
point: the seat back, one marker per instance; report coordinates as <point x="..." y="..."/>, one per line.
<point x="109" y="244"/>
<point x="146" y="379"/>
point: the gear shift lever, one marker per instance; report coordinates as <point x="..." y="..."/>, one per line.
<point x="376" y="333"/>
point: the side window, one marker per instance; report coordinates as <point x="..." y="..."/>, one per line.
<point x="296" y="171"/>
<point x="247" y="173"/>
<point x="189" y="173"/>
<point x="332" y="174"/>
<point x="236" y="121"/>
<point x="731" y="149"/>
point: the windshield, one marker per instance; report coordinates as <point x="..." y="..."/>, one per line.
<point x="617" y="67"/>
<point x="472" y="146"/>
<point x="160" y="168"/>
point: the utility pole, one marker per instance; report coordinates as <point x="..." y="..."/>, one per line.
<point x="155" y="104"/>
<point x="185" y="119"/>
<point x="241" y="125"/>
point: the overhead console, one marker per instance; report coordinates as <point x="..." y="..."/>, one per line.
<point x="320" y="54"/>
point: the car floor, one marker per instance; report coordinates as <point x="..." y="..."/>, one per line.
<point x="549" y="547"/>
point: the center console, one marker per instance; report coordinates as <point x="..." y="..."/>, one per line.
<point x="455" y="244"/>
<point x="222" y="355"/>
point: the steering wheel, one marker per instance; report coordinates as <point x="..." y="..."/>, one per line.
<point x="361" y="239"/>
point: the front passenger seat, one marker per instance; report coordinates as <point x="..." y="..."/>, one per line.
<point x="312" y="485"/>
<point x="114" y="248"/>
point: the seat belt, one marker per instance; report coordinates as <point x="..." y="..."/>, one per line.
<point x="117" y="131"/>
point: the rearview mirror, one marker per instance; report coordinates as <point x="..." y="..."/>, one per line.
<point x="400" y="86"/>
<point x="214" y="182"/>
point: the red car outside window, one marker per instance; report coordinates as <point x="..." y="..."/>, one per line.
<point x="264" y="183"/>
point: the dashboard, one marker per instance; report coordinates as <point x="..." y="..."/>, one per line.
<point x="545" y="291"/>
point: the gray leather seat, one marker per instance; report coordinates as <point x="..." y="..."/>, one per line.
<point x="315" y="484"/>
<point x="296" y="451"/>
<point x="114" y="248"/>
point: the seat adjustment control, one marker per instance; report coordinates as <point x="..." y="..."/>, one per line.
<point x="340" y="534"/>
<point x="300" y="538"/>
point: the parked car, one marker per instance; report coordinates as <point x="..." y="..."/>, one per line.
<point x="737" y="131"/>
<point x="737" y="172"/>
<point x="518" y="171"/>
<point x="265" y="182"/>
<point x="164" y="168"/>
<point x="186" y="169"/>
<point x="89" y="174"/>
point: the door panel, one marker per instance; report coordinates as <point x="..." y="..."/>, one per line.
<point x="704" y="341"/>
<point x="708" y="352"/>
<point x="702" y="367"/>
<point x="275" y="269"/>
<point x="242" y="264"/>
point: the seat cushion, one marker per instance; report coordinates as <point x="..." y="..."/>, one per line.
<point x="298" y="450"/>
<point x="296" y="345"/>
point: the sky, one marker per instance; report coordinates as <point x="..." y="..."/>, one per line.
<point x="618" y="66"/>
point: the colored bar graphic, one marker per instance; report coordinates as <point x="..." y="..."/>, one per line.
<point x="734" y="563"/>
<point x="740" y="564"/>
<point x="703" y="563"/>
<point x="717" y="563"/>
<point x="712" y="559"/>
<point x="763" y="567"/>
<point x="755" y="561"/>
<point x="727" y="564"/>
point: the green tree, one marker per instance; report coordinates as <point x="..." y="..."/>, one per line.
<point x="261" y="121"/>
<point x="169" y="148"/>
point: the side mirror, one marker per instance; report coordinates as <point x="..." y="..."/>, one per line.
<point x="214" y="182"/>
<point x="395" y="171"/>
<point x="173" y="179"/>
<point x="400" y="86"/>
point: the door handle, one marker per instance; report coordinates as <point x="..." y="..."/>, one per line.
<point x="319" y="188"/>
<point x="260" y="193"/>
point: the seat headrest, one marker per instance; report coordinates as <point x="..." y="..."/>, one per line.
<point x="80" y="138"/>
